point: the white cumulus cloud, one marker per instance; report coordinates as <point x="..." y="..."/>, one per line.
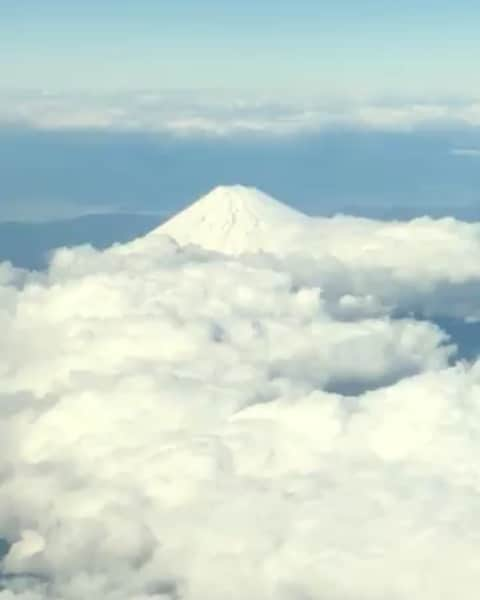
<point x="184" y="422"/>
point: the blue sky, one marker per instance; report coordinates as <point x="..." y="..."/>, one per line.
<point x="343" y="48"/>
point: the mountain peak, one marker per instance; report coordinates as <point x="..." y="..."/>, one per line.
<point x="234" y="220"/>
<point x="231" y="198"/>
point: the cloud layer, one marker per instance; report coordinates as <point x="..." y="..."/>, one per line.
<point x="181" y="423"/>
<point x="213" y="115"/>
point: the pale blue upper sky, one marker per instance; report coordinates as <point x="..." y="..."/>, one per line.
<point x="381" y="48"/>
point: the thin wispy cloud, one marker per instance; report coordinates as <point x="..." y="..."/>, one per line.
<point x="208" y="114"/>
<point x="469" y="152"/>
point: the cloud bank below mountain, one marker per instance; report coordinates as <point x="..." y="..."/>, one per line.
<point x="188" y="422"/>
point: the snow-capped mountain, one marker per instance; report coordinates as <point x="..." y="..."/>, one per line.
<point x="235" y="220"/>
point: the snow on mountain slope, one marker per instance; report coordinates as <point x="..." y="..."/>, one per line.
<point x="235" y="220"/>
